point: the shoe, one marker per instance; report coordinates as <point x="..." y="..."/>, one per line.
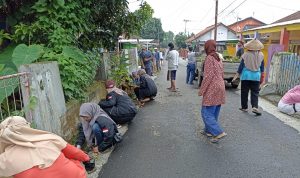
<point x="214" y="140"/>
<point x="244" y="110"/>
<point x="256" y="111"/>
<point x="205" y="133"/>
<point x="119" y="126"/>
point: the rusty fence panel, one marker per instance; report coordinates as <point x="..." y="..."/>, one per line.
<point x="285" y="72"/>
<point x="11" y="99"/>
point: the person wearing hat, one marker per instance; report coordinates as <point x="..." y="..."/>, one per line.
<point x="26" y="152"/>
<point x="251" y="73"/>
<point x="118" y="105"/>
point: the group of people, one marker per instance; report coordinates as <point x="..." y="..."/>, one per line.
<point x="151" y="61"/>
<point x="26" y="152"/>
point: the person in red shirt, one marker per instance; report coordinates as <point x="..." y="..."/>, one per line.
<point x="27" y="153"/>
<point x="213" y="91"/>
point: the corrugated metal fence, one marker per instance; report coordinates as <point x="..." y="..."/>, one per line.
<point x="285" y="71"/>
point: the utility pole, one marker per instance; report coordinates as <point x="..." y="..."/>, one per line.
<point x="216" y="21"/>
<point x="185" y="21"/>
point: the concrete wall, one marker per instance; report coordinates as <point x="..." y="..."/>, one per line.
<point x="45" y="85"/>
<point x="70" y="120"/>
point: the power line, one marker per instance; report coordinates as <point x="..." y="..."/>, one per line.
<point x="278" y="6"/>
<point x="237" y="7"/>
<point x="227" y="7"/>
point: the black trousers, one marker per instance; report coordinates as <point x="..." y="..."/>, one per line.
<point x="253" y="86"/>
<point x="120" y="119"/>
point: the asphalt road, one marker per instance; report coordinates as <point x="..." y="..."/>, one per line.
<point x="164" y="141"/>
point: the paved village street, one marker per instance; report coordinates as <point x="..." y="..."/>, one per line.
<point x="164" y="140"/>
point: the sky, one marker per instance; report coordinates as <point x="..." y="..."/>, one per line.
<point x="200" y="13"/>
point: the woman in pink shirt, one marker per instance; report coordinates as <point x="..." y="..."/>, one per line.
<point x="290" y="102"/>
<point x="213" y="91"/>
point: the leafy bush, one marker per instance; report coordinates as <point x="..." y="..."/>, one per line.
<point x="119" y="72"/>
<point x="77" y="70"/>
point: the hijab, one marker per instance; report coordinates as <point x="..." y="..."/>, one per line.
<point x="22" y="147"/>
<point x="210" y="49"/>
<point x="253" y="59"/>
<point x="94" y="111"/>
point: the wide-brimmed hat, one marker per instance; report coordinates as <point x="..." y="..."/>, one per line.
<point x="254" y="45"/>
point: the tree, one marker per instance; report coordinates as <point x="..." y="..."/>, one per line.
<point x="168" y="37"/>
<point x="180" y="40"/>
<point x="153" y="30"/>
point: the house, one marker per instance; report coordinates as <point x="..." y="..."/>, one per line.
<point x="223" y="33"/>
<point x="293" y="16"/>
<point x="245" y="24"/>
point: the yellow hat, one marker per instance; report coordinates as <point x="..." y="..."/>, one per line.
<point x="254" y="45"/>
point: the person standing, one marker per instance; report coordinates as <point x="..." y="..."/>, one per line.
<point x="173" y="60"/>
<point x="251" y="72"/>
<point x="240" y="49"/>
<point x="213" y="91"/>
<point x="191" y="66"/>
<point x="157" y="59"/>
<point x="147" y="60"/>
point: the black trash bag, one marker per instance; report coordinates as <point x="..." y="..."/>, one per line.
<point x="89" y="166"/>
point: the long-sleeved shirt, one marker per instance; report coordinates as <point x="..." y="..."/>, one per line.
<point x="292" y="96"/>
<point x="213" y="88"/>
<point x="247" y="74"/>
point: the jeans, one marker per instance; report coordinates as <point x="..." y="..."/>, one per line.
<point x="102" y="142"/>
<point x="253" y="86"/>
<point x="190" y="73"/>
<point x="148" y="70"/>
<point x="210" y="115"/>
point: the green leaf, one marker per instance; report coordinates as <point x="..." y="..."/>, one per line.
<point x="60" y="2"/>
<point x="73" y="53"/>
<point x="24" y="54"/>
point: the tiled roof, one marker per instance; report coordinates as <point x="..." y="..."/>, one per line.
<point x="293" y="16"/>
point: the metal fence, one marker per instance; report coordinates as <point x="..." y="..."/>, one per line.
<point x="285" y="71"/>
<point x="11" y="98"/>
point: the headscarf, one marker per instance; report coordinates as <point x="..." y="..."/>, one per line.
<point x="210" y="49"/>
<point x="94" y="111"/>
<point x="253" y="59"/>
<point x="22" y="147"/>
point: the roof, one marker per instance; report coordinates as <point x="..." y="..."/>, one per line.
<point x="293" y="16"/>
<point x="276" y="27"/>
<point x="248" y="18"/>
<point x="207" y="29"/>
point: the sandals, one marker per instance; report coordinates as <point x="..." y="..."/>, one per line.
<point x="217" y="138"/>
<point x="205" y="133"/>
<point x="244" y="110"/>
<point x="256" y="111"/>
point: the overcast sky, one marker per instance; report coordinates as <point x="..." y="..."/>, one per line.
<point x="201" y="12"/>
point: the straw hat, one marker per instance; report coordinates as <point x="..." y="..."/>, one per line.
<point x="254" y="45"/>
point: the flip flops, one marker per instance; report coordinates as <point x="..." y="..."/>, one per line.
<point x="205" y="133"/>
<point x="256" y="111"/>
<point x="217" y="138"/>
<point x="244" y="110"/>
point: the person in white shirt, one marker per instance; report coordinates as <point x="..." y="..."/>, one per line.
<point x="173" y="60"/>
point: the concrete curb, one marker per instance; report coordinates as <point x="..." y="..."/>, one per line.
<point x="102" y="159"/>
<point x="270" y="108"/>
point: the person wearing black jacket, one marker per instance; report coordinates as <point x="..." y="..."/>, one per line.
<point x="96" y="128"/>
<point x="118" y="105"/>
<point x="147" y="88"/>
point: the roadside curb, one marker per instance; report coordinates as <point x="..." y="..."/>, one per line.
<point x="101" y="159"/>
<point x="270" y="108"/>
